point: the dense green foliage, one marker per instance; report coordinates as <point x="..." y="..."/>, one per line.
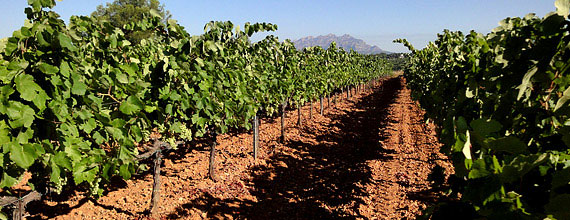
<point x="77" y="100"/>
<point x="399" y="61"/>
<point x="122" y="12"/>
<point x="501" y="101"/>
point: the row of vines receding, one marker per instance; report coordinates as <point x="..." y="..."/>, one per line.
<point x="501" y="103"/>
<point x="79" y="101"/>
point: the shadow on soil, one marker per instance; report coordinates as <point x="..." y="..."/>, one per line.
<point x="322" y="180"/>
<point x="36" y="208"/>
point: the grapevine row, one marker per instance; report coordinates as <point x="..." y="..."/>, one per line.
<point x="79" y="101"/>
<point x="501" y="103"/>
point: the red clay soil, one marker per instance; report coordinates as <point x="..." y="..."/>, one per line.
<point x="366" y="158"/>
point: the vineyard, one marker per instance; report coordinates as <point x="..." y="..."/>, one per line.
<point x="146" y="121"/>
<point x="81" y="104"/>
<point x="501" y="103"/>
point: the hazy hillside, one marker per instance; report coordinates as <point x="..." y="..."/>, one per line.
<point x="345" y="41"/>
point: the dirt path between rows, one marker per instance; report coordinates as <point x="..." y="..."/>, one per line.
<point x="366" y="158"/>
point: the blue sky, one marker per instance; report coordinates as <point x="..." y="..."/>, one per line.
<point x="377" y="22"/>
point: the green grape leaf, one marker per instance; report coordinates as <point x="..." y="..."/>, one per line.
<point x="478" y="169"/>
<point x="83" y="174"/>
<point x="107" y="171"/>
<point x="132" y="105"/>
<point x="521" y="165"/>
<point x="65" y="42"/>
<point x="565" y="97"/>
<point x="124" y="171"/>
<point x="4" y="133"/>
<point x="55" y="175"/>
<point x="484" y="127"/>
<point x="126" y="153"/>
<point x="210" y="45"/>
<point x="21" y="115"/>
<point x="48" y="69"/>
<point x="121" y="77"/>
<point x="78" y="88"/>
<point x="27" y="88"/>
<point x="5" y="92"/>
<point x="200" y="121"/>
<point x="24" y="137"/>
<point x="7" y="180"/>
<point x="136" y="133"/>
<point x="23" y="155"/>
<point x="65" y="69"/>
<point x="73" y="152"/>
<point x="40" y="100"/>
<point x="155" y="13"/>
<point x="59" y="108"/>
<point x="62" y="160"/>
<point x="509" y="144"/>
<point x="526" y="82"/>
<point x="41" y="39"/>
<point x="36" y="4"/>
<point x="11" y="45"/>
<point x="99" y="139"/>
<point x="115" y="132"/>
<point x="129" y="69"/>
<point x="89" y="125"/>
<point x="47" y="3"/>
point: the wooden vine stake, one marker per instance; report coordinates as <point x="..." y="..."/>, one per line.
<point x="321" y="105"/>
<point x="255" y="136"/>
<point x="156" y="150"/>
<point x="299" y="115"/>
<point x="156" y="185"/>
<point x="282" y="138"/>
<point x="211" y="172"/>
<point x="20" y="203"/>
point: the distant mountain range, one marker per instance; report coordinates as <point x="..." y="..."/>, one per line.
<point x="345" y="41"/>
